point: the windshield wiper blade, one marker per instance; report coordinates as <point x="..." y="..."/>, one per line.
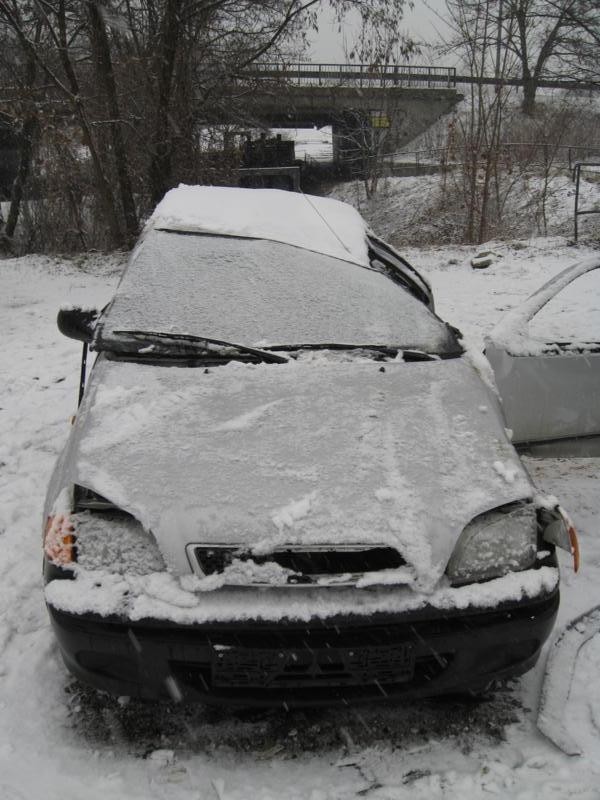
<point x="215" y="347"/>
<point x="382" y="349"/>
<point x="418" y="355"/>
<point x="409" y="354"/>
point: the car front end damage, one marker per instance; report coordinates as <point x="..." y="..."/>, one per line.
<point x="155" y="636"/>
<point x="338" y="659"/>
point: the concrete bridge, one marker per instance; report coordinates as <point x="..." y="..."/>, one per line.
<point x="370" y="108"/>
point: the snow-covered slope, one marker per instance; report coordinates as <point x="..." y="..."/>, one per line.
<point x="430" y="208"/>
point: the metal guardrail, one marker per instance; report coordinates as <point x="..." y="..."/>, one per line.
<point x="535" y="153"/>
<point x="578" y="212"/>
<point x="362" y="75"/>
<point x="582" y="153"/>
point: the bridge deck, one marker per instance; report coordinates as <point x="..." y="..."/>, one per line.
<point x="393" y="75"/>
<point x="369" y="76"/>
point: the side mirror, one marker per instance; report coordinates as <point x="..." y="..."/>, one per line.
<point x="77" y="323"/>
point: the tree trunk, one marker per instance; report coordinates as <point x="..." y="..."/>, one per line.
<point x="27" y="138"/>
<point x="28" y="135"/>
<point x="529" y="91"/>
<point x="102" y="182"/>
<point x="160" y="162"/>
<point x="104" y="69"/>
<point x="4" y="242"/>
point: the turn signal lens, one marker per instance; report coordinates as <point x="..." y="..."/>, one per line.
<point x="560" y="531"/>
<point x="572" y="534"/>
<point x="59" y="539"/>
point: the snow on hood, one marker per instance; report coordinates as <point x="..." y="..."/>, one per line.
<point x="313" y="223"/>
<point x="314" y="451"/>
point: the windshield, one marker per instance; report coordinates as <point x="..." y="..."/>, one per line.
<point x="263" y="294"/>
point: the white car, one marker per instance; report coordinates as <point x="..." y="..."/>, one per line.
<point x="286" y="483"/>
<point x="546" y="359"/>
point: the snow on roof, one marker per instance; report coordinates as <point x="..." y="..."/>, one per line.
<point x="313" y="223"/>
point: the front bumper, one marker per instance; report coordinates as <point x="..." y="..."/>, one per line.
<point x="324" y="662"/>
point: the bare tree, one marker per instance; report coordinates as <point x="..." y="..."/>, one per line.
<point x="550" y="41"/>
<point x="478" y="133"/>
<point x="103" y="65"/>
<point x="541" y="34"/>
<point x="137" y="82"/>
<point x="380" y="44"/>
<point x="23" y="117"/>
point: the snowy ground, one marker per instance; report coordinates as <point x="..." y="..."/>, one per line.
<point x="59" y="741"/>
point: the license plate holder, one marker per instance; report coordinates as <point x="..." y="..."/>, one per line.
<point x="306" y="666"/>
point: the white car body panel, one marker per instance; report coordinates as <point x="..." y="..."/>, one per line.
<point x="550" y="391"/>
<point x="548" y="397"/>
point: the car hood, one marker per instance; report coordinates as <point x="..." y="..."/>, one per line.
<point x="315" y="451"/>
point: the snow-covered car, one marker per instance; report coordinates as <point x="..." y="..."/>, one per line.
<point x="286" y="483"/>
<point x="545" y="355"/>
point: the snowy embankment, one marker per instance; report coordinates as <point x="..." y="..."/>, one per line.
<point x="430" y="208"/>
<point x="59" y="741"/>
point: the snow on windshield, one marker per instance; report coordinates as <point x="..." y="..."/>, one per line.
<point x="261" y="293"/>
<point x="313" y="223"/>
<point x="562" y="310"/>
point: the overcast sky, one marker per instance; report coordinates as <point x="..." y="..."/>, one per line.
<point x="328" y="44"/>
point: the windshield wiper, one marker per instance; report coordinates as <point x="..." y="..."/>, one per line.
<point x="418" y="355"/>
<point x="382" y="350"/>
<point x="187" y="341"/>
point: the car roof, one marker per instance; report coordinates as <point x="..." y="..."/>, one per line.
<point x="319" y="224"/>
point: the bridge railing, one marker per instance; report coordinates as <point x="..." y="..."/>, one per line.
<point x="531" y="154"/>
<point x="367" y="75"/>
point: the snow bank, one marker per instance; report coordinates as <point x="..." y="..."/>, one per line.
<point x="430" y="208"/>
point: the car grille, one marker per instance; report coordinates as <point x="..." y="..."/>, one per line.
<point x="306" y="562"/>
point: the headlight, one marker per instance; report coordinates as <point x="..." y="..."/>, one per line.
<point x="499" y="541"/>
<point x="115" y="541"/>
